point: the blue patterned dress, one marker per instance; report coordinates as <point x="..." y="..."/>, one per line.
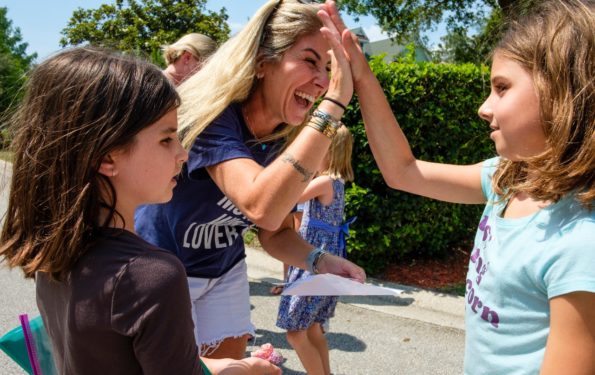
<point x="322" y="226"/>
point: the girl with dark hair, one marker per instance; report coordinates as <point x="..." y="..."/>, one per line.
<point x="95" y="137"/>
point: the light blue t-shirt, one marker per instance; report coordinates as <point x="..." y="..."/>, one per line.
<point x="516" y="266"/>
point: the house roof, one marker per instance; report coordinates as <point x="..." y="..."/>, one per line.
<point x="386" y="46"/>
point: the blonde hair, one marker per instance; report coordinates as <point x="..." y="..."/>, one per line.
<point x="230" y="74"/>
<point x="339" y="155"/>
<point x="198" y="45"/>
<point x="556" y="44"/>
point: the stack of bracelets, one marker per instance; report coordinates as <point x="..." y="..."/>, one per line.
<point x="325" y="123"/>
<point x="314" y="259"/>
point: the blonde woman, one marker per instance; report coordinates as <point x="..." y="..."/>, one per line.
<point x="256" y="87"/>
<point x="186" y="56"/>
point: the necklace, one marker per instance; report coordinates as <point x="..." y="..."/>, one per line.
<point x="247" y="121"/>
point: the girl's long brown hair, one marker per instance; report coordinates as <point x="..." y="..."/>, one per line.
<point x="556" y="44"/>
<point x="79" y="105"/>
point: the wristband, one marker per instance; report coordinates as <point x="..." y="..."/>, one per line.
<point x="318" y="124"/>
<point x="328" y="119"/>
<point x="338" y="103"/>
<point x="330" y="124"/>
<point x="324" y="123"/>
<point x="313" y="258"/>
<point x="317" y="261"/>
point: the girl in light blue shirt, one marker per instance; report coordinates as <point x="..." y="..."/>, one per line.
<point x="531" y="282"/>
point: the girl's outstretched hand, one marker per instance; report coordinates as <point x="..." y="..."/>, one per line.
<point x="250" y="366"/>
<point x="339" y="266"/>
<point x="332" y="20"/>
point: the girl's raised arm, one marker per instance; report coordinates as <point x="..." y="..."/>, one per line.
<point x="399" y="167"/>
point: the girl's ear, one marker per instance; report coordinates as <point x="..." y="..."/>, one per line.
<point x="107" y="166"/>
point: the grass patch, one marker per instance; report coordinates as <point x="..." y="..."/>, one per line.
<point x="456" y="289"/>
<point x="251" y="238"/>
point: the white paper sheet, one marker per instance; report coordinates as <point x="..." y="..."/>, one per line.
<point x="332" y="285"/>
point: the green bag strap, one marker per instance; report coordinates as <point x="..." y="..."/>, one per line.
<point x="205" y="369"/>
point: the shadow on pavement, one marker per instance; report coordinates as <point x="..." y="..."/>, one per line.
<point x="377" y="300"/>
<point x="336" y="341"/>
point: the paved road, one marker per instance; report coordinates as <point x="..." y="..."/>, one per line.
<point x="362" y="341"/>
<point x="417" y="333"/>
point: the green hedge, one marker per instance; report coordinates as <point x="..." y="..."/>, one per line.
<point x="436" y="106"/>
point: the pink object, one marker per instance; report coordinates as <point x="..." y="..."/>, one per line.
<point x="30" y="343"/>
<point x="269" y="353"/>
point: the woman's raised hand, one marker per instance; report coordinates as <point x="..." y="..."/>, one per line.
<point x="350" y="45"/>
<point x="341" y="83"/>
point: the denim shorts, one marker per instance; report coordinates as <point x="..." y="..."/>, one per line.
<point x="221" y="307"/>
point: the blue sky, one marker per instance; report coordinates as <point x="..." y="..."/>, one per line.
<point x="41" y="21"/>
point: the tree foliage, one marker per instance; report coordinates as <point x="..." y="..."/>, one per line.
<point x="459" y="46"/>
<point x="14" y="62"/>
<point x="436" y="105"/>
<point x="143" y="26"/>
<point x="473" y="26"/>
<point x="403" y="19"/>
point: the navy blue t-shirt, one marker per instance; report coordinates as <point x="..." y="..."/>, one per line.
<point x="200" y="224"/>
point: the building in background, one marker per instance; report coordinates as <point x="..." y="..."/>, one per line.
<point x="391" y="49"/>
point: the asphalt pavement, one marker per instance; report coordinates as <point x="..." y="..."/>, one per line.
<point x="419" y="332"/>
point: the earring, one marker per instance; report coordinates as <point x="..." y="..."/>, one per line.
<point x="260" y="75"/>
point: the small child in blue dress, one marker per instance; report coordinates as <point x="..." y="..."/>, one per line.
<point x="322" y="226"/>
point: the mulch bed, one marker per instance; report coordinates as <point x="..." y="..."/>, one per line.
<point x="429" y="273"/>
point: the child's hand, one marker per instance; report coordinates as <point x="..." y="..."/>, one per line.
<point x="342" y="267"/>
<point x="250" y="366"/>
